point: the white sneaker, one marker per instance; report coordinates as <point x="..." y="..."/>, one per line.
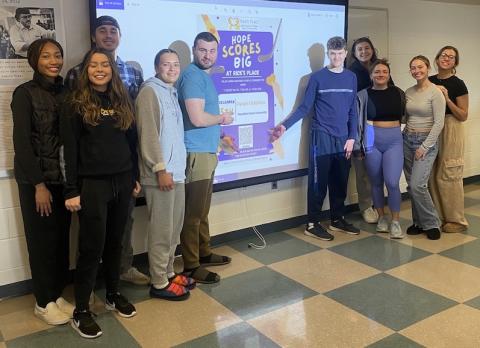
<point x="134" y="276"/>
<point x="51" y="314"/>
<point x="65" y="307"/>
<point x="382" y="224"/>
<point x="396" y="230"/>
<point x="370" y="215"/>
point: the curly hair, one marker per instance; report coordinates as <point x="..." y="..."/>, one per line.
<point x="87" y="103"/>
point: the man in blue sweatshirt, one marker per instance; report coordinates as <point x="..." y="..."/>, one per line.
<point x="332" y="92"/>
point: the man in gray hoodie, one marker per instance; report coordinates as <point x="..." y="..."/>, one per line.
<point x="162" y="162"/>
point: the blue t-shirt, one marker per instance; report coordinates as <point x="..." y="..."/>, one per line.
<point x="195" y="83"/>
<point x="334" y="96"/>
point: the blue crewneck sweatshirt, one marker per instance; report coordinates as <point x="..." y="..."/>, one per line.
<point x="334" y="97"/>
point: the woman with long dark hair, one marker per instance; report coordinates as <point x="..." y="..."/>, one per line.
<point x="363" y="54"/>
<point x="36" y="141"/>
<point x="446" y="181"/>
<point x="100" y="165"/>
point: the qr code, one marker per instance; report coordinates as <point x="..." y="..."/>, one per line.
<point x="245" y="137"/>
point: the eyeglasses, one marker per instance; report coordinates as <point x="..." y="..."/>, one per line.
<point x="447" y="56"/>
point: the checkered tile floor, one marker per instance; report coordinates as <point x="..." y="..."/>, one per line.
<point x="355" y="291"/>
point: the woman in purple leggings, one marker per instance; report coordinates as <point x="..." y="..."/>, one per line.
<point x="381" y="108"/>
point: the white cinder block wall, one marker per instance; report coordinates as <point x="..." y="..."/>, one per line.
<point x="415" y="27"/>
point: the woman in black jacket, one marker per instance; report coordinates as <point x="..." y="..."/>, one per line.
<point x="40" y="184"/>
<point x="101" y="167"/>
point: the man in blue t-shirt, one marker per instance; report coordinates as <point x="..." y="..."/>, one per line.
<point x="332" y="91"/>
<point x="202" y="119"/>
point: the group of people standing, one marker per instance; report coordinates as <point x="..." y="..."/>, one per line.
<point x="370" y="121"/>
<point x="90" y="146"/>
<point x="431" y="151"/>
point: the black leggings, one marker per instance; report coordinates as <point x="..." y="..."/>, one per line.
<point x="102" y="219"/>
<point x="47" y="242"/>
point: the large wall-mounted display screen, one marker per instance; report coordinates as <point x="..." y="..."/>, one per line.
<point x="266" y="49"/>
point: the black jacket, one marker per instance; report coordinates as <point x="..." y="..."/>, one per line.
<point x="100" y="151"/>
<point x="36" y="140"/>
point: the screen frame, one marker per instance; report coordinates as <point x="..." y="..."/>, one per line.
<point x="262" y="179"/>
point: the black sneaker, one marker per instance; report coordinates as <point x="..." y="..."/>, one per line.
<point x="84" y="324"/>
<point x="317" y="231"/>
<point x="341" y="225"/>
<point x="118" y="303"/>
<point x="433" y="233"/>
<point x="414" y="230"/>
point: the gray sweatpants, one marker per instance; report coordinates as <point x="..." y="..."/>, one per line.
<point x="165" y="220"/>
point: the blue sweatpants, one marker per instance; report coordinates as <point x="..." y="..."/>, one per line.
<point x="384" y="161"/>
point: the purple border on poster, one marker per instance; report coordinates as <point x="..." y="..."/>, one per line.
<point x="243" y="72"/>
<point x="111" y="4"/>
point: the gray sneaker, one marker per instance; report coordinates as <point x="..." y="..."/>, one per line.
<point x="382" y="224"/>
<point x="396" y="230"/>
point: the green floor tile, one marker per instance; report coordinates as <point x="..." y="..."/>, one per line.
<point x="474" y="225"/>
<point x="469" y="201"/>
<point x="468" y="253"/>
<point x="357" y="219"/>
<point x="378" y="252"/>
<point x="474" y="302"/>
<point x="257" y="292"/>
<point x="134" y="293"/>
<point x="280" y="246"/>
<point x="114" y="335"/>
<point x="395" y="341"/>
<point x="240" y="335"/>
<point x="390" y="301"/>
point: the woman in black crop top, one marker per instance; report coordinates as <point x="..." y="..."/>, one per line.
<point x="381" y="108"/>
<point x="446" y="181"/>
<point x="100" y="165"/>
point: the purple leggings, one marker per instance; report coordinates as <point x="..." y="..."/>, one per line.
<point x="384" y="162"/>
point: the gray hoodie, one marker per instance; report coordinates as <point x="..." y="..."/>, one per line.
<point x="160" y="132"/>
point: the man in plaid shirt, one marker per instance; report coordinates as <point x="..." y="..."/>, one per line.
<point x="106" y="35"/>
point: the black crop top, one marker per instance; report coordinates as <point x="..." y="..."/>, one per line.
<point x="385" y="104"/>
<point x="455" y="87"/>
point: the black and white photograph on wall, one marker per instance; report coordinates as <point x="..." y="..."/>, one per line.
<point x="20" y="26"/>
<point x="21" y="23"/>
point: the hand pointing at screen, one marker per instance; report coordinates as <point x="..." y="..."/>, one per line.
<point x="277" y="132"/>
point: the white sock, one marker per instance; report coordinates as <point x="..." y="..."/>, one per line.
<point x="160" y="286"/>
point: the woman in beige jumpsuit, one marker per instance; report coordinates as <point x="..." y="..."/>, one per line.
<point x="446" y="181"/>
